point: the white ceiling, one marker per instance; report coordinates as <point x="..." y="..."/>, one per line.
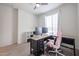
<point x="29" y="7"/>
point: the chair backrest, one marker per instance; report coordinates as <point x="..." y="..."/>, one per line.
<point x="58" y="40"/>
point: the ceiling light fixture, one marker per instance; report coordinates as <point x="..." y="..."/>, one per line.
<point x="37" y="5"/>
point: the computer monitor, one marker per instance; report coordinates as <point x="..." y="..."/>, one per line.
<point x="44" y="30"/>
<point x="38" y="31"/>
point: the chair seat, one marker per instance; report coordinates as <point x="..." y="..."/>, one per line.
<point x="50" y="43"/>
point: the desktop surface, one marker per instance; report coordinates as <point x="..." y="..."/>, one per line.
<point x="37" y="37"/>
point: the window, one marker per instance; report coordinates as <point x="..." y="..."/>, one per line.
<point x="51" y="22"/>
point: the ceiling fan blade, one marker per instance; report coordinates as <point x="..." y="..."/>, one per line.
<point x="42" y="3"/>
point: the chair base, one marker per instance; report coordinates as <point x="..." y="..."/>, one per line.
<point x="57" y="52"/>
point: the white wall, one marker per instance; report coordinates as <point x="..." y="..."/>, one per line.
<point x="67" y="19"/>
<point x="7" y="21"/>
<point x="40" y="20"/>
<point x="13" y="25"/>
<point x="77" y="26"/>
<point x="26" y="23"/>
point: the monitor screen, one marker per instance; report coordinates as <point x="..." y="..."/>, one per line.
<point x="38" y="30"/>
<point x="44" y="30"/>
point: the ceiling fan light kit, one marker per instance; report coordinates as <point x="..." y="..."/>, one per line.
<point x="37" y="5"/>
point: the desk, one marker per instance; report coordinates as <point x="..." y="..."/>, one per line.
<point x="37" y="43"/>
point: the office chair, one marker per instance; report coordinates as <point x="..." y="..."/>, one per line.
<point x="57" y="44"/>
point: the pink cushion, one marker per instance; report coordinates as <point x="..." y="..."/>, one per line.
<point x="50" y="43"/>
<point x="58" y="41"/>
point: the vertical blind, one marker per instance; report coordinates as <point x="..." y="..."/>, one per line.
<point x="51" y="22"/>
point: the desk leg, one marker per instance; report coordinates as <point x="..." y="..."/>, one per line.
<point x="74" y="49"/>
<point x="30" y="47"/>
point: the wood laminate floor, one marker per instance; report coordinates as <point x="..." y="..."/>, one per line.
<point x="16" y="50"/>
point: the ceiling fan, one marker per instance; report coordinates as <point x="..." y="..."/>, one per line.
<point x="37" y="5"/>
